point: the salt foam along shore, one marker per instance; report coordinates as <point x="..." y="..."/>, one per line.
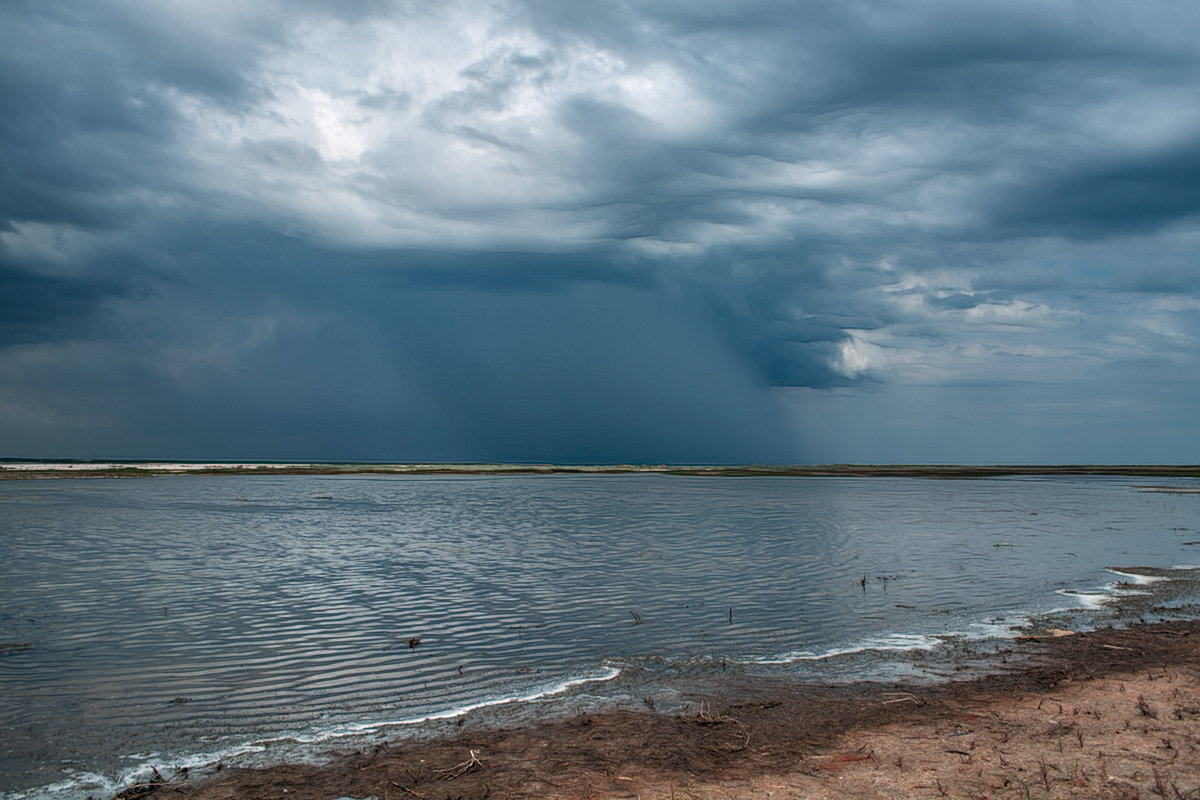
<point x="304" y="746"/>
<point x="1116" y="589"/>
<point x="299" y="746"/>
<point x="1010" y="627"/>
<point x="1109" y="713"/>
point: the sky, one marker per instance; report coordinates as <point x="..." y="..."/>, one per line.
<point x="637" y="231"/>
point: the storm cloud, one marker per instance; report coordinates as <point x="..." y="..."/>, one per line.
<point x="637" y="231"/>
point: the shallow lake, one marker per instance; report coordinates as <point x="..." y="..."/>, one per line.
<point x="177" y="620"/>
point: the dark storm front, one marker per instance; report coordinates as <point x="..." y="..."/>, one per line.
<point x="156" y="618"/>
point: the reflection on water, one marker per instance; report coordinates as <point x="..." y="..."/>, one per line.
<point x="190" y="613"/>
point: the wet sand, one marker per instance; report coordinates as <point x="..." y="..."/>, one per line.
<point x="1105" y="714"/>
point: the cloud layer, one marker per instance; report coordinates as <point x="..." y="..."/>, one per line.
<point x="643" y="231"/>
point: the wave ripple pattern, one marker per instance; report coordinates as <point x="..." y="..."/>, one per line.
<point x="192" y="613"/>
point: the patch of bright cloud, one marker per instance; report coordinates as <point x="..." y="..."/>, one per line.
<point x="857" y="357"/>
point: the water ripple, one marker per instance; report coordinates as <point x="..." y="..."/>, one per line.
<point x="171" y="611"/>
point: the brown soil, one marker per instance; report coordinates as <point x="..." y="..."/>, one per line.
<point x="1107" y="714"/>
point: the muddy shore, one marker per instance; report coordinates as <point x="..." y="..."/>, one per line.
<point x="1113" y="713"/>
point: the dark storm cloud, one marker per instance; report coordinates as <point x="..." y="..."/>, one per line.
<point x="1129" y="192"/>
<point x="76" y="135"/>
<point x="550" y="230"/>
<point x="302" y="365"/>
<point x="823" y="75"/>
<point x="38" y="308"/>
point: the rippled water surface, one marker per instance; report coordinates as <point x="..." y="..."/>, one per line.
<point x="150" y="617"/>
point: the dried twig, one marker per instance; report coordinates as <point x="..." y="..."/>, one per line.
<point x="707" y="716"/>
<point x="734" y="748"/>
<point x="147" y="787"/>
<point x="461" y="768"/>
<point x="406" y="789"/>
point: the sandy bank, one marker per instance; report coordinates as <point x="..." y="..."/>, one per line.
<point x="1108" y="714"/>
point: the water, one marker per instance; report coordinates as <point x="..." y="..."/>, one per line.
<point x="165" y="620"/>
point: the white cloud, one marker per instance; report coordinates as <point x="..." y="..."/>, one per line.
<point x="479" y="153"/>
<point x="857" y="357"/>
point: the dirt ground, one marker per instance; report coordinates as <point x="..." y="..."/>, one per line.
<point x="1106" y="714"/>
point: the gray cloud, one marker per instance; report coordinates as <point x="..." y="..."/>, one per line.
<point x="1126" y="193"/>
<point x="40" y="308"/>
<point x="690" y="206"/>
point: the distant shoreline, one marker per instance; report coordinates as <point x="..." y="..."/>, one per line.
<point x="23" y="470"/>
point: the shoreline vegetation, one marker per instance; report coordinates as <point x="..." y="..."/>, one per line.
<point x="1111" y="713"/>
<point x="14" y="469"/>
